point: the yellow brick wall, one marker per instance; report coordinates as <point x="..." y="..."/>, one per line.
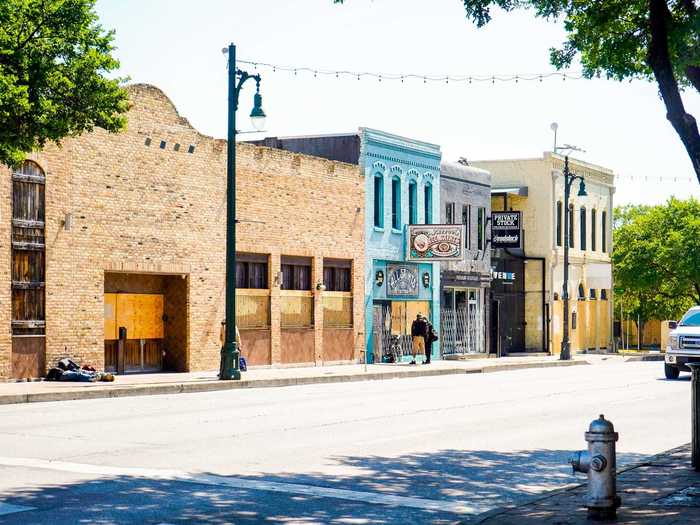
<point x="141" y="208"/>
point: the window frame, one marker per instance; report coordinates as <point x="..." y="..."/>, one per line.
<point x="428" y="203"/>
<point x="583" y="221"/>
<point x="378" y="200"/>
<point x="412" y="202"/>
<point x="396" y="203"/>
<point x="559" y="225"/>
<point x="594" y="237"/>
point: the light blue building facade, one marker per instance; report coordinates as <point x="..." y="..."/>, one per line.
<point x="402" y="182"/>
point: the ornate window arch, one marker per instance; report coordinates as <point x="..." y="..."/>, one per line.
<point x="378" y="199"/>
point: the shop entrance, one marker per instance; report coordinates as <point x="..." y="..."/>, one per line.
<point x="145" y="322"/>
<point x="394" y="318"/>
<point x="462" y="321"/>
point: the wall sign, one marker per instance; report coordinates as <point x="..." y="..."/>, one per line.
<point x="402" y="280"/>
<point x="506" y="229"/>
<point x="435" y="242"/>
<point x="506" y="277"/>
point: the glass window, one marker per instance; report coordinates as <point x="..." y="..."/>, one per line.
<point x="379" y="200"/>
<point x="466" y="220"/>
<point x="481" y="228"/>
<point x="604" y="231"/>
<point x="603" y="294"/>
<point x="428" y="198"/>
<point x="571" y="225"/>
<point x="592" y="294"/>
<point x="396" y="203"/>
<point x="337" y="275"/>
<point x="593" y="231"/>
<point x="450" y="213"/>
<point x="691" y="319"/>
<point x="412" y="202"/>
<point x="559" y="226"/>
<point x="582" y="220"/>
<point x="296" y="273"/>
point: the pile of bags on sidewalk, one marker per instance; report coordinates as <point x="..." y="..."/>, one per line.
<point x="68" y="370"/>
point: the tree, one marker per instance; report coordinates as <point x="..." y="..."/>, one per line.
<point x="656" y="259"/>
<point x="625" y="39"/>
<point x="54" y="62"/>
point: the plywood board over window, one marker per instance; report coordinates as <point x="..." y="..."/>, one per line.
<point x="140" y="314"/>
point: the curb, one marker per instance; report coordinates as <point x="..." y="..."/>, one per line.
<point x="485" y="516"/>
<point x="214" y="386"/>
<point x="647" y="357"/>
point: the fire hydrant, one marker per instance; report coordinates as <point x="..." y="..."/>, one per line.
<point x="600" y="464"/>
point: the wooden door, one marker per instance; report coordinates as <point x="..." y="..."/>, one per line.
<point x="28" y="270"/>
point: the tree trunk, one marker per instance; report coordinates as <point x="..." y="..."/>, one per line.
<point x="660" y="62"/>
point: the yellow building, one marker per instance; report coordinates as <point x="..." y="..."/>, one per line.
<point x="536" y="188"/>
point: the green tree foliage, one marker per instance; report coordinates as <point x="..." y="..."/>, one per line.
<point x="625" y="39"/>
<point x="54" y="62"/>
<point x="656" y="259"/>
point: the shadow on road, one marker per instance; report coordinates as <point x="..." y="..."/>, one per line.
<point x="484" y="479"/>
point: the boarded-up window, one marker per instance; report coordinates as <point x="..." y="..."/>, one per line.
<point x="28" y="259"/>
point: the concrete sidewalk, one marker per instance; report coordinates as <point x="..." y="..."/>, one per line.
<point x="176" y="383"/>
<point x="664" y="490"/>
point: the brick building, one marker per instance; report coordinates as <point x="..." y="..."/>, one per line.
<point x="128" y="230"/>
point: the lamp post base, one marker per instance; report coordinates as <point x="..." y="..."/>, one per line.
<point x="565" y="354"/>
<point x="229" y="368"/>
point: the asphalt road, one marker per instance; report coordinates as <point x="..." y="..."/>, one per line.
<point x="426" y="450"/>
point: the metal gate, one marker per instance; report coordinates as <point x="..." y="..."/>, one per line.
<point x="463" y="330"/>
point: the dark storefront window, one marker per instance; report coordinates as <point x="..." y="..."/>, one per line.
<point x="337" y="275"/>
<point x="251" y="271"/>
<point x="296" y="273"/>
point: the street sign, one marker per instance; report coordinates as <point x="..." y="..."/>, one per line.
<point x="435" y="242"/>
<point x="506" y="229"/>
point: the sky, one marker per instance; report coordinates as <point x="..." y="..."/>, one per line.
<point x="176" y="45"/>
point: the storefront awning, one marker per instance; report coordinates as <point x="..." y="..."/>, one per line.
<point x="520" y="191"/>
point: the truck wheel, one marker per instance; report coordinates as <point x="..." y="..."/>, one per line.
<point x="671" y="372"/>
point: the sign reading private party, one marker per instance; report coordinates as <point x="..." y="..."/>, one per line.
<point x="435" y="242"/>
<point x="506" y="229"/>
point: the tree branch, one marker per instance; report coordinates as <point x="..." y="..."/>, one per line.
<point x="659" y="60"/>
<point x="693" y="74"/>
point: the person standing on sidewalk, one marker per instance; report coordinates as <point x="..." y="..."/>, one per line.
<point x="430" y="338"/>
<point x="419" y="331"/>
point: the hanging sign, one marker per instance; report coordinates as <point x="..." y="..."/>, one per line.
<point x="402" y="279"/>
<point x="506" y="229"/>
<point x="435" y="242"/>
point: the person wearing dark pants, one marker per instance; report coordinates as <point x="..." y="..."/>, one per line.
<point x="430" y="338"/>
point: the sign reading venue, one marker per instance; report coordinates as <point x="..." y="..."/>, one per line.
<point x="506" y="229"/>
<point x="402" y="279"/>
<point x="435" y="242"/>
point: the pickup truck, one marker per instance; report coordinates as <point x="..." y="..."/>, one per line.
<point x="683" y="344"/>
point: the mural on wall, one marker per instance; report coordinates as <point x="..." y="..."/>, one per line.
<point x="435" y="242"/>
<point x="402" y="280"/>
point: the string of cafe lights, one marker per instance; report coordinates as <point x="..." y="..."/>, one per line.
<point x="402" y="77"/>
<point x="653" y="179"/>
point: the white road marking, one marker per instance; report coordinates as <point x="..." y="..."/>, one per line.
<point x="451" y="506"/>
<point x="7" y="508"/>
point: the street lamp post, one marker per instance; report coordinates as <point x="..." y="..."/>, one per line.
<point x="569" y="179"/>
<point x="229" y="367"/>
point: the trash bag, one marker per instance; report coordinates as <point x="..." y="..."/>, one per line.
<point x="82" y="376"/>
<point x="242" y="364"/>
